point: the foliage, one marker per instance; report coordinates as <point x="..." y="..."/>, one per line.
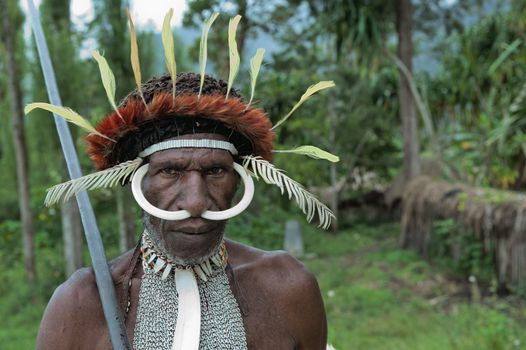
<point x="254" y="19"/>
<point x="262" y="225"/>
<point x="480" y="121"/>
<point x="461" y="251"/>
<point x="8" y="193"/>
<point x="359" y="26"/>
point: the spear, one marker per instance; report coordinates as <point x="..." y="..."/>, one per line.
<point x="105" y="286"/>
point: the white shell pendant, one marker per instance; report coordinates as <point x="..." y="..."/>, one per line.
<point x="188" y="325"/>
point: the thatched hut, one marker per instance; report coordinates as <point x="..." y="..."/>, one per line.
<point x="496" y="218"/>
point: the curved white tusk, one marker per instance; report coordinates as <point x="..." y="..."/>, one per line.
<point x="147" y="206"/>
<point x="248" y="183"/>
<point x="185" y="214"/>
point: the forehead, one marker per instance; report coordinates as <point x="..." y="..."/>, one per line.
<point x="194" y="154"/>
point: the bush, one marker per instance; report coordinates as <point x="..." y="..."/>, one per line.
<point x="460" y="250"/>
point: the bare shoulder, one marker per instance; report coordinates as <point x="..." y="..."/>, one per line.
<point x="61" y="323"/>
<point x="74" y="307"/>
<point x="271" y="266"/>
<point x="285" y="285"/>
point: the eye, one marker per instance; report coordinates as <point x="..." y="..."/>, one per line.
<point x="215" y="171"/>
<point x="170" y="171"/>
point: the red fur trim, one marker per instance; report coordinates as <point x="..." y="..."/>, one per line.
<point x="251" y="122"/>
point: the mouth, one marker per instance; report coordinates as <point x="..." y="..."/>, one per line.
<point x="193" y="226"/>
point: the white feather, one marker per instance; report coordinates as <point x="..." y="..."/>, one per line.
<point x="305" y="200"/>
<point x="105" y="178"/>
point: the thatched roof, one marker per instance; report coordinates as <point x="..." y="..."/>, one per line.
<point x="497" y="218"/>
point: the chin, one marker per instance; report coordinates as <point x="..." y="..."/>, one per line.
<point x="177" y="239"/>
<point x="187" y="241"/>
<point x="191" y="247"/>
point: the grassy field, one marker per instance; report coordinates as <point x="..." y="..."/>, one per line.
<point x="377" y="297"/>
<point x="380" y="297"/>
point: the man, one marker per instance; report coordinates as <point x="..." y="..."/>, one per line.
<point x="188" y="153"/>
<point x="185" y="141"/>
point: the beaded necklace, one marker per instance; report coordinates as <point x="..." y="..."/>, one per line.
<point x="160" y="263"/>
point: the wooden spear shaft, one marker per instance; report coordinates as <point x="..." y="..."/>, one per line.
<point x="105" y="286"/>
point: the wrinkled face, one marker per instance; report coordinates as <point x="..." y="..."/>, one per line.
<point x="195" y="179"/>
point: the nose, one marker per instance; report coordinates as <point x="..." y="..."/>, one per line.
<point x="194" y="194"/>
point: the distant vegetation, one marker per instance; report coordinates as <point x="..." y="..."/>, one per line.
<point x="468" y="116"/>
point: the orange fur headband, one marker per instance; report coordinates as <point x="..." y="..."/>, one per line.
<point x="251" y="122"/>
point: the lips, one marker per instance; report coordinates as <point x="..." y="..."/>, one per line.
<point x="193" y="226"/>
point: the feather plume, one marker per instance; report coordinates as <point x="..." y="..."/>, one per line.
<point x="169" y="51"/>
<point x="134" y="57"/>
<point x="233" y="52"/>
<point x="68" y="114"/>
<point x="305" y="200"/>
<point x="105" y="178"/>
<point x="310" y="91"/>
<point x="255" y="65"/>
<point x="108" y="80"/>
<point x="311" y="151"/>
<point x="203" y="49"/>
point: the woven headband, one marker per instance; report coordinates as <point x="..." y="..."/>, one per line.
<point x="189" y="143"/>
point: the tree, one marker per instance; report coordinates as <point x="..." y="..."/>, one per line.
<point x="404" y="14"/>
<point x="350" y="33"/>
<point x="13" y="44"/>
<point x="364" y="27"/>
<point x="253" y="13"/>
<point x="110" y="26"/>
<point x="481" y="114"/>
<point x="70" y="77"/>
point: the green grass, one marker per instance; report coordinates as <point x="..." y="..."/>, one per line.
<point x="380" y="297"/>
<point x="376" y="295"/>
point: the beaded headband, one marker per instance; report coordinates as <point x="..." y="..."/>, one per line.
<point x="191" y="143"/>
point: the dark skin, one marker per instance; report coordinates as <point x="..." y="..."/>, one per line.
<point x="195" y="180"/>
<point x="279" y="298"/>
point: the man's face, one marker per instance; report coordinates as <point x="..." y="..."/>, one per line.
<point x="194" y="179"/>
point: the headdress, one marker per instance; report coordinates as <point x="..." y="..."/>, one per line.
<point x="147" y="118"/>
